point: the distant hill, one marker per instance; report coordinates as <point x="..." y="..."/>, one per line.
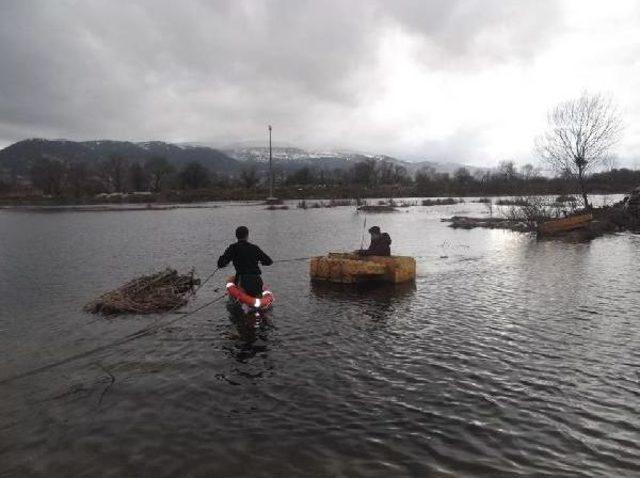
<point x="298" y="157"/>
<point x="19" y="156"/>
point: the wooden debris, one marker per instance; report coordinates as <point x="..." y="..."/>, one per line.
<point x="163" y="291"/>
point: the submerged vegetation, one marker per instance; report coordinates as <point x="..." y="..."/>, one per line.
<point x="513" y="202"/>
<point x="560" y="218"/>
<point x="441" y="202"/>
<point x="329" y="204"/>
<point x="160" y="292"/>
<point x="377" y="208"/>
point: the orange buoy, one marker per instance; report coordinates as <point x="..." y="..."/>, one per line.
<point x="259" y="303"/>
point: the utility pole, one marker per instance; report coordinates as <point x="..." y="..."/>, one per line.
<point x="270" y="167"/>
<point x="272" y="200"/>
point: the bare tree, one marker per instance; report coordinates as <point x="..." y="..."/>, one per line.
<point x="581" y="133"/>
<point x="508" y="170"/>
<point x="400" y="175"/>
<point x="159" y="168"/>
<point x="366" y="172"/>
<point x="249" y="177"/>
<point x="138" y="177"/>
<point x="77" y="178"/>
<point x="529" y="172"/>
<point x="48" y="175"/>
<point x="112" y="172"/>
<point x="195" y="176"/>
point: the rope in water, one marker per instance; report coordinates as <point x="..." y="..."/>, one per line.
<point x="206" y="280"/>
<point x="131" y="337"/>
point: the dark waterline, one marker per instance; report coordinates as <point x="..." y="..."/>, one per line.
<point x="509" y="357"/>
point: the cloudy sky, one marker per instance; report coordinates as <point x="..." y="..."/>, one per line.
<point x="450" y="80"/>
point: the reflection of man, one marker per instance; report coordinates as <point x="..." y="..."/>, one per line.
<point x="380" y="243"/>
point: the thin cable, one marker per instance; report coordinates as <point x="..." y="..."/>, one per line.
<point x="206" y="280"/>
<point x="294" y="259"/>
<point x="129" y="338"/>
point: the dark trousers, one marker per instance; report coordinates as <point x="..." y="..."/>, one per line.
<point x="251" y="283"/>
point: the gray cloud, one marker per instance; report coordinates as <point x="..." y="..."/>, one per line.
<point x="221" y="70"/>
<point x="485" y="31"/>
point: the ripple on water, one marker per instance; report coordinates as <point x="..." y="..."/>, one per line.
<point x="507" y="358"/>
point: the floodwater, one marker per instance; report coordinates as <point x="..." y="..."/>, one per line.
<point x="509" y="357"/>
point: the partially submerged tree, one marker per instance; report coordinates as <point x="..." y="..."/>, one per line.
<point x="581" y="134"/>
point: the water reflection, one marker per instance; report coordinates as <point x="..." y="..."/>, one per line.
<point x="380" y="293"/>
<point x="370" y="307"/>
<point x="251" y="332"/>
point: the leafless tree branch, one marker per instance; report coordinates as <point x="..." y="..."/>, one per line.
<point x="580" y="136"/>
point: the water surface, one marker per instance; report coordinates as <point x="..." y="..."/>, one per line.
<point x="508" y="357"/>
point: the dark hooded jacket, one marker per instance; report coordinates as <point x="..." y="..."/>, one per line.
<point x="380" y="246"/>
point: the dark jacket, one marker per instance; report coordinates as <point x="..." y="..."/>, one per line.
<point x="381" y="246"/>
<point x="245" y="257"/>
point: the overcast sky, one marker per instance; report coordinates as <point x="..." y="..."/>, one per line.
<point x="449" y="80"/>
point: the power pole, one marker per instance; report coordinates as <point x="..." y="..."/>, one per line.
<point x="270" y="167"/>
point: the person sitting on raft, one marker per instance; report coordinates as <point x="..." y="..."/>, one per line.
<point x="380" y="243"/>
<point x="245" y="257"/>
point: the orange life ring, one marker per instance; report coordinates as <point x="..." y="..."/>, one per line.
<point x="260" y="303"/>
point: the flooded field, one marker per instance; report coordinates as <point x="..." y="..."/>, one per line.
<point x="509" y="357"/>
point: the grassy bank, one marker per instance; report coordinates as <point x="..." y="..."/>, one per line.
<point x="316" y="192"/>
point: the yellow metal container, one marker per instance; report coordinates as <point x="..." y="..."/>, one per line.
<point x="346" y="268"/>
<point x="555" y="226"/>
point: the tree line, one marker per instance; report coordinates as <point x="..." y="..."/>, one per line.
<point x="577" y="145"/>
<point x="375" y="179"/>
<point x="117" y="174"/>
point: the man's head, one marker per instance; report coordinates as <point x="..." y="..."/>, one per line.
<point x="242" y="233"/>
<point x="374" y="231"/>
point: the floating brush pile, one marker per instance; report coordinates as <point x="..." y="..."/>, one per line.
<point x="160" y="292"/>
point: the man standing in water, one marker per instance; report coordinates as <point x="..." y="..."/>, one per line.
<point x="380" y="243"/>
<point x="245" y="257"/>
